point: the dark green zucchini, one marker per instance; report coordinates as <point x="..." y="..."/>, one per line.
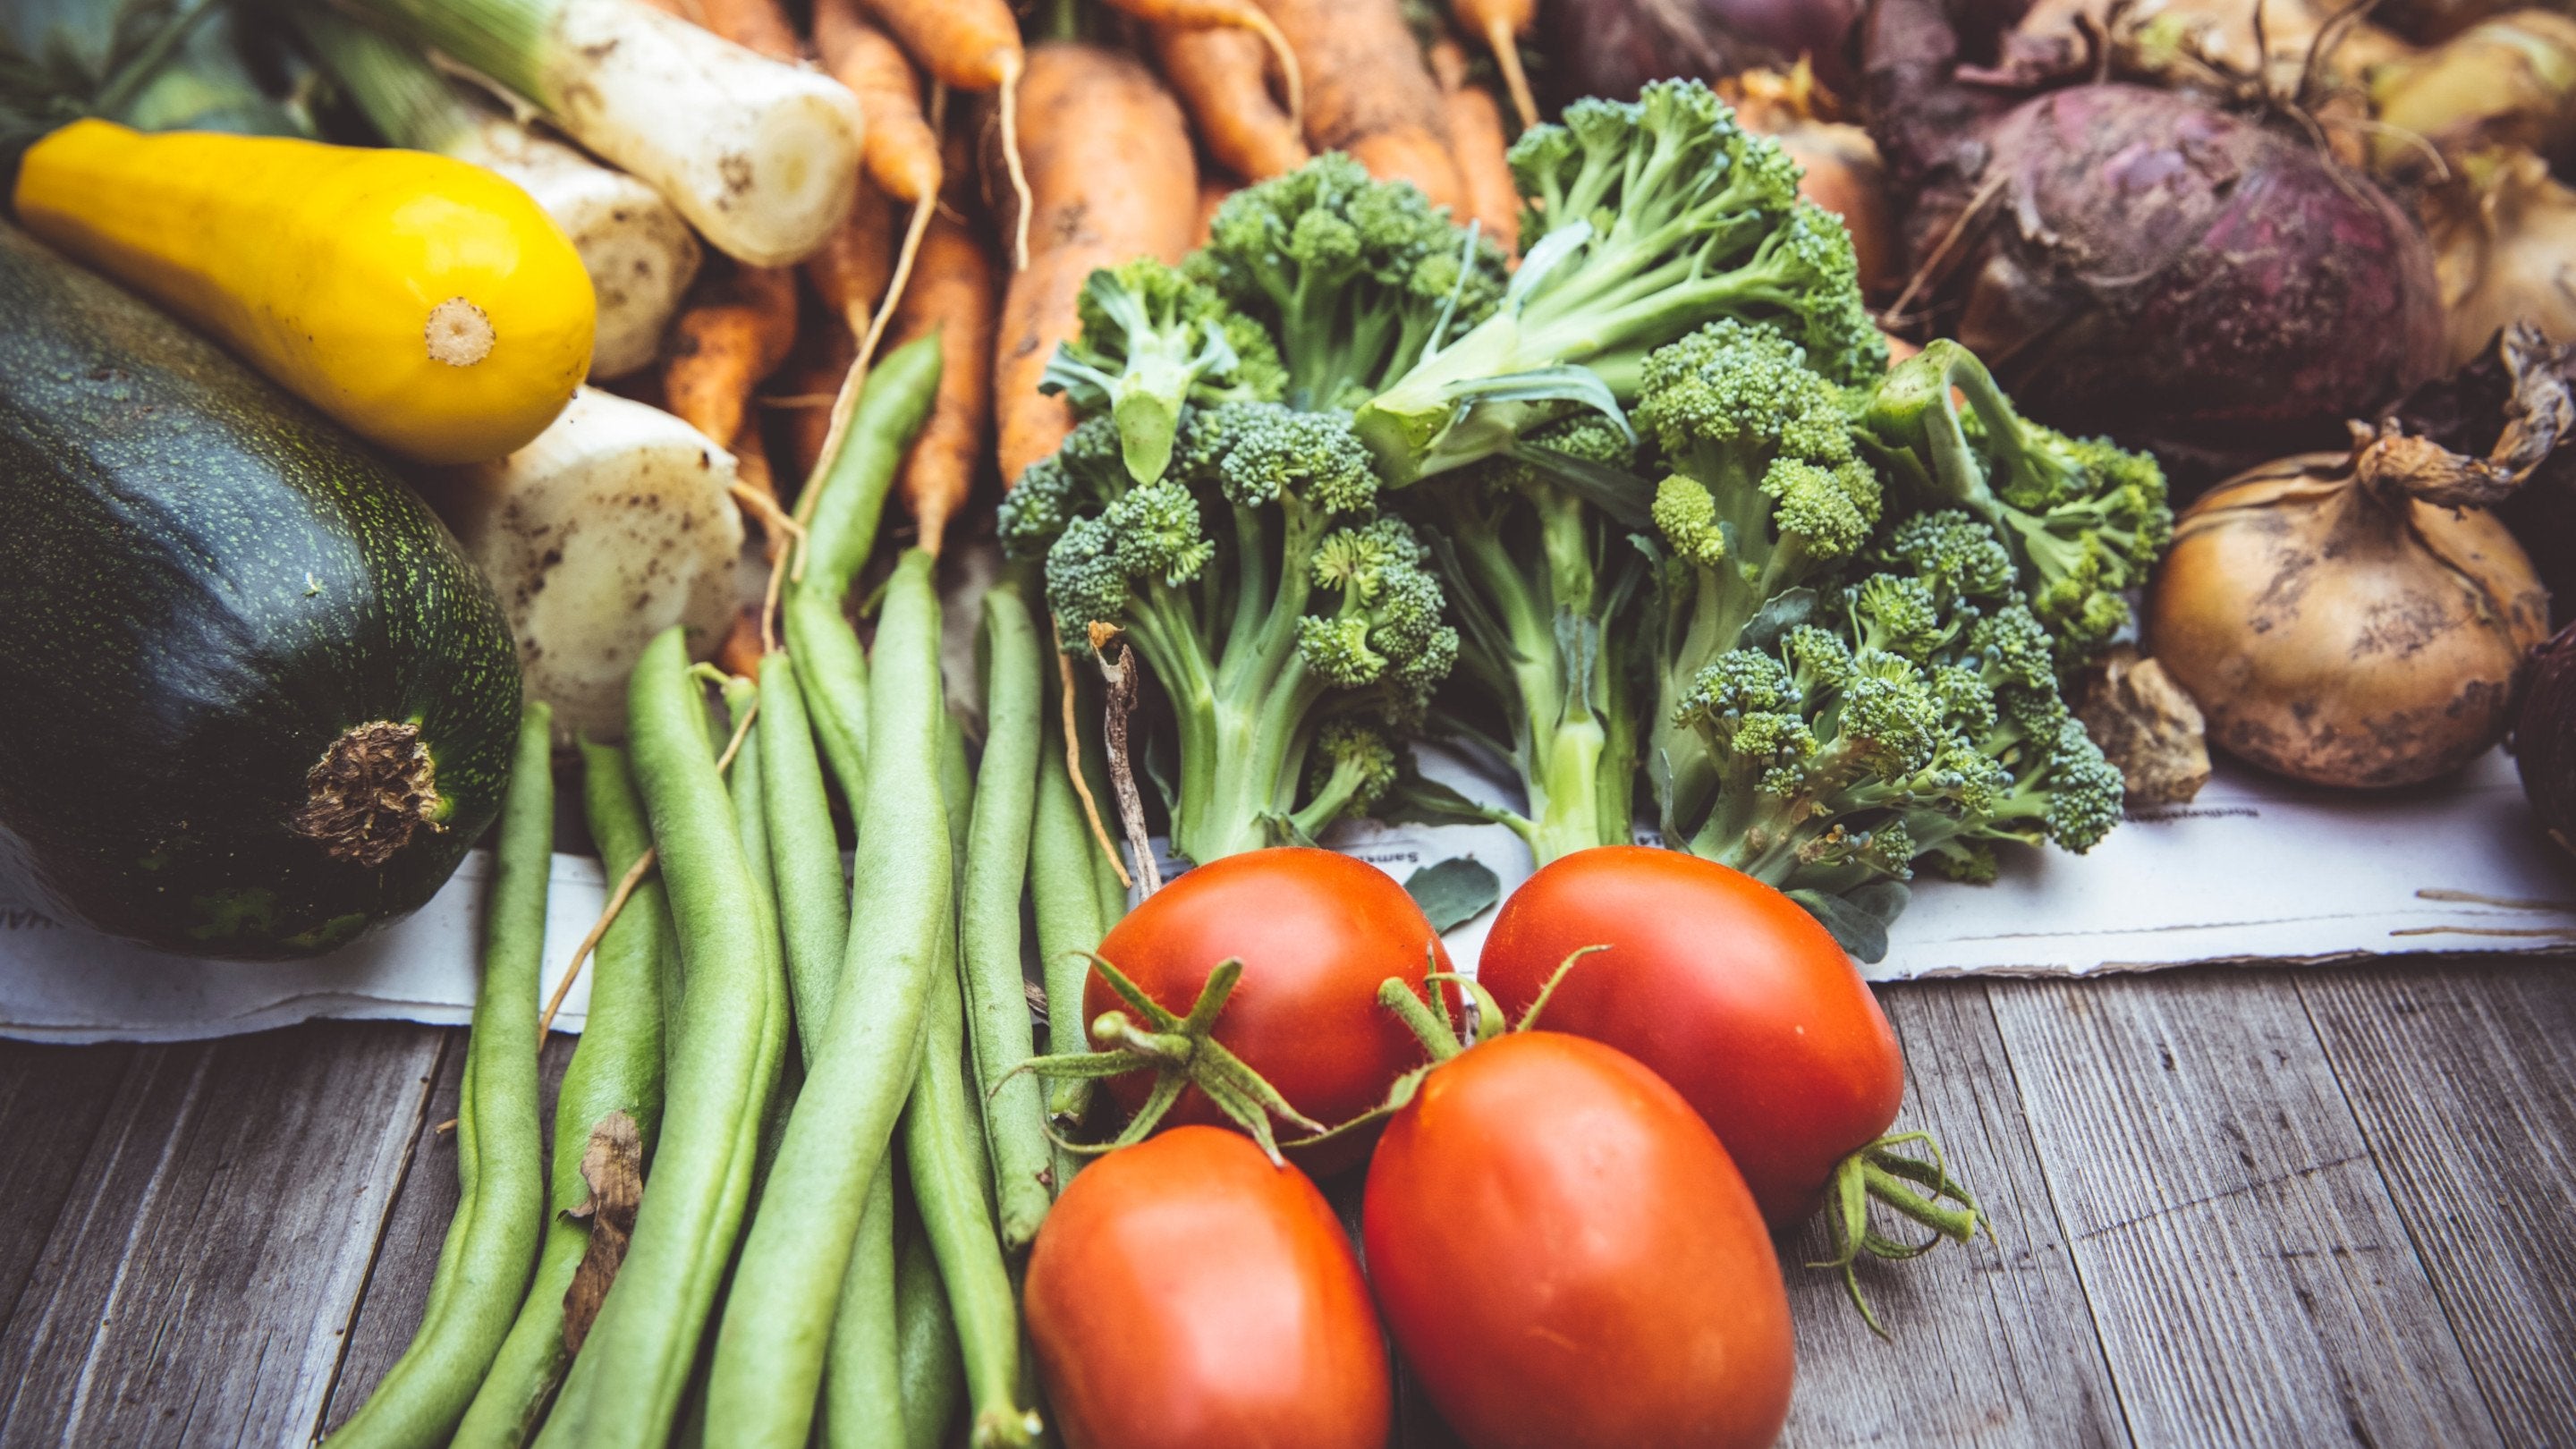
<point x="253" y="699"/>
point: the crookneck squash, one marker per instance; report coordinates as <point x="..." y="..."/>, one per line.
<point x="253" y="699"/>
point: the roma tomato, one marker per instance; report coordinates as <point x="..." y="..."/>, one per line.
<point x="1727" y="988"/>
<point x="1186" y="1293"/>
<point x="1569" y="1260"/>
<point x="1317" y="933"/>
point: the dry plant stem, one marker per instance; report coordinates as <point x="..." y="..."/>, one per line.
<point x="1073" y="769"/>
<point x="1121" y="670"/>
<point x="626" y="887"/>
<point x="1012" y="65"/>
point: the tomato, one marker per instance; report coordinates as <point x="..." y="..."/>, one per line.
<point x="1727" y="988"/>
<point x="1569" y="1260"/>
<point x="1317" y="934"/>
<point x="1185" y="1293"/>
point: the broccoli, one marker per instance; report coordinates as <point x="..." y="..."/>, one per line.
<point x="1355" y="278"/>
<point x="1280" y="613"/>
<point x="1645" y="220"/>
<point x="1918" y="721"/>
<point x="2085" y="519"/>
<point x="1768" y="495"/>
<point x="1544" y="584"/>
<point x="1151" y="340"/>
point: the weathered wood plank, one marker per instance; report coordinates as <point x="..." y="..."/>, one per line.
<point x="1993" y="1343"/>
<point x="2464" y="1080"/>
<point x="396" y="1291"/>
<point x="194" y="1290"/>
<point x="2250" y="1277"/>
<point x="52" y="1100"/>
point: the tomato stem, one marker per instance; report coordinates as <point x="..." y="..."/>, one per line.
<point x="1432" y="1027"/>
<point x="1878" y="1172"/>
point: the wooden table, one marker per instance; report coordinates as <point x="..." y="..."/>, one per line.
<point x="2234" y="1207"/>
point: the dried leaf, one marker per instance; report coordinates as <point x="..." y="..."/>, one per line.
<point x="2147" y="726"/>
<point x="613" y="1167"/>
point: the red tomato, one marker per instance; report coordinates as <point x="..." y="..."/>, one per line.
<point x="1727" y="988"/>
<point x="1185" y="1293"/>
<point x="1569" y="1260"/>
<point x="1317" y="933"/>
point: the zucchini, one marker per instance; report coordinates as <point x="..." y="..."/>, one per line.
<point x="257" y="701"/>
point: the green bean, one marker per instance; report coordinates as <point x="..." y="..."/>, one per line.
<point x="730" y="1038"/>
<point x="863" y="1401"/>
<point x="1069" y="923"/>
<point x="751" y="821"/>
<point x="491" y="1245"/>
<point x="616" y="1068"/>
<point x="804" y="851"/>
<point x="770" y="1350"/>
<point x="928" y="1366"/>
<point x="951" y="1183"/>
<point x="988" y="918"/>
<point x="847" y="512"/>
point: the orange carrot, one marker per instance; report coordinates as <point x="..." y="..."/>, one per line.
<point x="1218" y="75"/>
<point x="851" y="271"/>
<point x="754" y="25"/>
<point x="1213" y="190"/>
<point x="733" y="334"/>
<point x="972" y="45"/>
<point x="952" y="295"/>
<point x="1476" y="140"/>
<point x="1496" y="22"/>
<point x="1111" y="177"/>
<point x="902" y="153"/>
<point x="806" y="386"/>
<point x="742" y="648"/>
<point x="1241" y="16"/>
<point x="1367" y="92"/>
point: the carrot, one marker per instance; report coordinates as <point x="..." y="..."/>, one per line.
<point x="734" y="333"/>
<point x="1476" y="140"/>
<point x="1111" y="176"/>
<point x="807" y="385"/>
<point x="1218" y="75"/>
<point x="902" y="153"/>
<point x="952" y="295"/>
<point x="1239" y="16"/>
<point x="972" y="45"/>
<point x="752" y="24"/>
<point x="1497" y="21"/>
<point x="1213" y="190"/>
<point x="850" y="273"/>
<point x="741" y="651"/>
<point x="1367" y="92"/>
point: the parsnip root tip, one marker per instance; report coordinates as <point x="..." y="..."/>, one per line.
<point x="1507" y="54"/>
<point x="1012" y="66"/>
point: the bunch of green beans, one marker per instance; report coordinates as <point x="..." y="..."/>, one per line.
<point x="491" y="1243"/>
<point x="616" y="1068"/>
<point x="728" y="1041"/>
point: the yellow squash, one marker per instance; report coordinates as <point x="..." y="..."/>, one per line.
<point x="424" y="302"/>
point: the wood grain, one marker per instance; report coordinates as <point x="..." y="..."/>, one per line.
<point x="2251" y="1279"/>
<point x="195" y="1288"/>
<point x="2464" y="1081"/>
<point x="1992" y="1343"/>
<point x="52" y="1100"/>
<point x="396" y="1291"/>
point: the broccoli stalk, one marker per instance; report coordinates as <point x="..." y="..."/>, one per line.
<point x="1151" y="341"/>
<point x="2084" y="518"/>
<point x="1543" y="586"/>
<point x="1306" y="627"/>
<point x="1646" y="220"/>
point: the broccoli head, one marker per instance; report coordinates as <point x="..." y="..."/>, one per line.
<point x="1353" y="276"/>
<point x="1646" y="219"/>
<point x="2085" y="520"/>
<point x="1151" y="340"/>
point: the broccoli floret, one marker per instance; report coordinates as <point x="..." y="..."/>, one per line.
<point x="2084" y="519"/>
<point x="1350" y="767"/>
<point x="1645" y="220"/>
<point x="1151" y="340"/>
<point x="1353" y="276"/>
<point x="1266" y="595"/>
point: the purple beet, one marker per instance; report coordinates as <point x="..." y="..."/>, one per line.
<point x="2136" y="262"/>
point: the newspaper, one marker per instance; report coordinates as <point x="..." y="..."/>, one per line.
<point x="2256" y="870"/>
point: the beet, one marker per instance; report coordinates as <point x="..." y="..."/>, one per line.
<point x="1611" y="48"/>
<point x="2139" y="263"/>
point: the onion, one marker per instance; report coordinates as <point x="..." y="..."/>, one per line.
<point x="2505" y="251"/>
<point x="2359" y="618"/>
<point x="2544" y="739"/>
<point x="2428" y="21"/>
<point x="2510" y="82"/>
